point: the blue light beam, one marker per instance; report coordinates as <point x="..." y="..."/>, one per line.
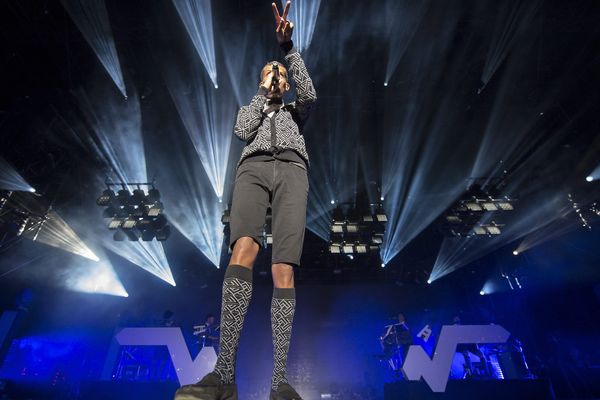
<point x="93" y="278"/>
<point x="56" y="232"/>
<point x="11" y="180"/>
<point x="402" y="19"/>
<point x="208" y="118"/>
<point x="303" y="13"/>
<point x="333" y="180"/>
<point x="194" y="209"/>
<point x="91" y="17"/>
<point x="514" y="17"/>
<point x="196" y="16"/>
<point x="594" y="175"/>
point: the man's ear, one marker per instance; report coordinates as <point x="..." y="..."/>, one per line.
<point x="287" y="86"/>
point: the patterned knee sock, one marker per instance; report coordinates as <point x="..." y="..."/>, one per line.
<point x="237" y="291"/>
<point x="283" y="306"/>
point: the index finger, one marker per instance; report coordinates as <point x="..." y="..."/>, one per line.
<point x="275" y="12"/>
<point x="286" y="9"/>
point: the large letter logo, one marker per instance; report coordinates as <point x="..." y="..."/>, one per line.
<point x="435" y="371"/>
<point x="188" y="371"/>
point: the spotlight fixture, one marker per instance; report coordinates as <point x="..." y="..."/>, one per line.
<point x="134" y="215"/>
<point x="515" y="253"/>
<point x="589" y="178"/>
<point x="481" y="292"/>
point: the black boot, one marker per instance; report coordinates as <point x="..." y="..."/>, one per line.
<point x="209" y="388"/>
<point x="284" y="392"/>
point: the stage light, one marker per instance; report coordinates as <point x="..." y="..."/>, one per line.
<point x="473" y="206"/>
<point x="105" y="198"/>
<point x="332" y="201"/>
<point x="429" y="281"/>
<point x="11" y="180"/>
<point x="589" y="178"/>
<point x="304" y="16"/>
<point x="91" y="17"/>
<point x="515" y="253"/>
<point x="385" y="84"/>
<point x="382" y="265"/>
<point x="123" y="197"/>
<point x="138" y="197"/>
<point x="361" y="248"/>
<point x="55" y="232"/>
<point x="382" y="198"/>
<point x="489" y="206"/>
<point x="512" y="18"/>
<point x="93" y="278"/>
<point x="350" y="256"/>
<point x="493" y="230"/>
<point x="196" y="16"/>
<point x="337" y="227"/>
<point x="119" y="236"/>
<point x="334" y="248"/>
<point x="347" y="249"/>
<point x="129" y="223"/>
<point x="115" y="223"/>
<point x="481" y="292"/>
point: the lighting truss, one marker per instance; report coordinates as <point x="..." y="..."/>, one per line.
<point x="18" y="221"/>
<point x="91" y="17"/>
<point x="353" y="232"/>
<point x="134" y="215"/>
<point x="580" y="213"/>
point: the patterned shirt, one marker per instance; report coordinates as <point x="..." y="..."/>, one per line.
<point x="283" y="130"/>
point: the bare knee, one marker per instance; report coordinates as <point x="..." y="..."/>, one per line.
<point x="244" y="253"/>
<point x="283" y="275"/>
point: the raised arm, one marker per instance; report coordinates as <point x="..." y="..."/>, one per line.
<point x="306" y="95"/>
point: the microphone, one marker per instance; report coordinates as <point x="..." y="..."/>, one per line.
<point x="275" y="74"/>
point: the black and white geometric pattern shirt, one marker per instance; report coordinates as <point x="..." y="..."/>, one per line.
<point x="282" y="131"/>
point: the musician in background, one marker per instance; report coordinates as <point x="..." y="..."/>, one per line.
<point x="208" y="333"/>
<point x="465" y="349"/>
<point x="395" y="342"/>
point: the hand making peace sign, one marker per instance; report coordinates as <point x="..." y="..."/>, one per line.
<point x="284" y="27"/>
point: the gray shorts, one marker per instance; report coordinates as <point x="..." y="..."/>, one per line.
<point x="283" y="186"/>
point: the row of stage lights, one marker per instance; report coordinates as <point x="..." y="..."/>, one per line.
<point x="134" y="215"/>
<point x="464" y="218"/>
<point x="362" y="235"/>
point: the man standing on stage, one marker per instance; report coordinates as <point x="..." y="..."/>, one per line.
<point x="272" y="172"/>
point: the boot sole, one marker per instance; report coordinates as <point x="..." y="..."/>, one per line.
<point x="206" y="393"/>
